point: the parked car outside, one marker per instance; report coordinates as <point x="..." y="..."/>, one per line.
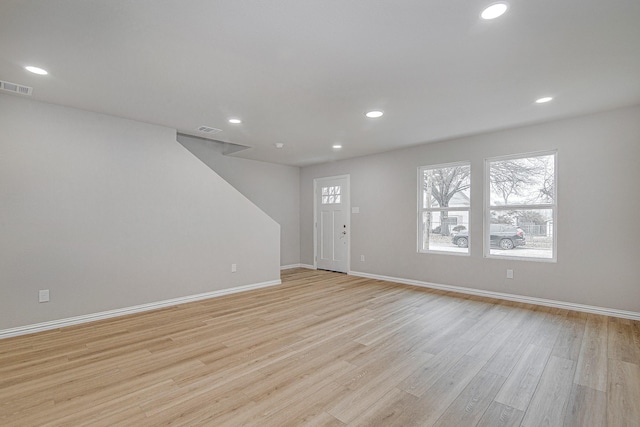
<point x="503" y="236"/>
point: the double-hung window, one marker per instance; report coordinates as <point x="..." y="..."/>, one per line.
<point x="521" y="205"/>
<point x="444" y="207"/>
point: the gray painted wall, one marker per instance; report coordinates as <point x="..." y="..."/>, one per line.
<point x="273" y="188"/>
<point x="109" y="213"/>
<point x="598" y="204"/>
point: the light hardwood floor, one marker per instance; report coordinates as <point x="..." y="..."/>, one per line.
<point x="326" y="349"/>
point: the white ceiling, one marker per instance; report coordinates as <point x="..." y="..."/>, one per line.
<point x="304" y="72"/>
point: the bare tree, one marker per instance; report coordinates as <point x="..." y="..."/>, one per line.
<point x="529" y="178"/>
<point x="442" y="185"/>
<point x="522" y="181"/>
<point x="547" y="192"/>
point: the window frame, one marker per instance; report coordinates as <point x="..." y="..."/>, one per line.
<point x="422" y="210"/>
<point x="486" y="239"/>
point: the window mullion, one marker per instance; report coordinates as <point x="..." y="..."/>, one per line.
<point x="521" y="207"/>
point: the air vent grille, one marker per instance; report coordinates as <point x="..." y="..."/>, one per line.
<point x="208" y="130"/>
<point x="16" y="88"/>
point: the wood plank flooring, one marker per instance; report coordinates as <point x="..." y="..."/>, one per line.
<point x="326" y="349"/>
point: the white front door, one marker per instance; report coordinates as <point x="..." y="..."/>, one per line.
<point x="332" y="223"/>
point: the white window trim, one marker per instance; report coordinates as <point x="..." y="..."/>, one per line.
<point x="488" y="208"/>
<point x="421" y="210"/>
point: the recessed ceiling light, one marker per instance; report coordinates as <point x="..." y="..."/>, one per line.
<point x="374" y="114"/>
<point x="279" y="145"/>
<point x="337" y="146"/>
<point x="36" y="70"/>
<point x="543" y="100"/>
<point x="494" y="10"/>
<point x="235" y="121"/>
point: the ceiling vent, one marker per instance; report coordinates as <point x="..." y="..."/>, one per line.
<point x="16" y="88"/>
<point x="208" y="130"/>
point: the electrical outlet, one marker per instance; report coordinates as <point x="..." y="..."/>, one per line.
<point x="362" y="258"/>
<point x="234" y="268"/>
<point x="43" y="295"/>
<point x="509" y="274"/>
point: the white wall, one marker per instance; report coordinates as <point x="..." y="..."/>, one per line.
<point x="109" y="213"/>
<point x="273" y="188"/>
<point x="598" y="186"/>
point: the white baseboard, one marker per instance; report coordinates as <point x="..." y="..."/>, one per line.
<point x="55" y="324"/>
<point x="509" y="297"/>
<point x="287" y="267"/>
